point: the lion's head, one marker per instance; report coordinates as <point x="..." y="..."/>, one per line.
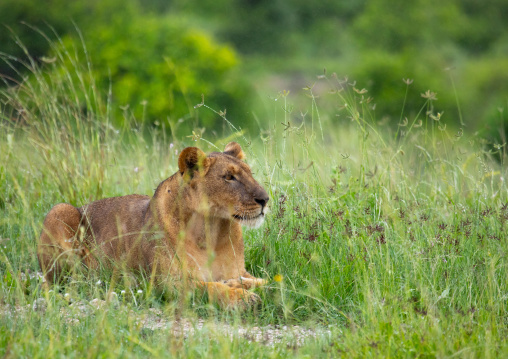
<point x="223" y="185"/>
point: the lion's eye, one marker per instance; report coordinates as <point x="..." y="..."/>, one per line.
<point x="229" y="177"/>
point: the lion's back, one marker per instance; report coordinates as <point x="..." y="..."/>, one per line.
<point x="116" y="219"/>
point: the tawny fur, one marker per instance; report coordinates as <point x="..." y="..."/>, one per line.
<point x="191" y="228"/>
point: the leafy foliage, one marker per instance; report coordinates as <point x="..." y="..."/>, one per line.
<point x="156" y="67"/>
<point x="160" y="67"/>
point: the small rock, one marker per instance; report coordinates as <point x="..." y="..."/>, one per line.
<point x="72" y="321"/>
<point x="81" y="307"/>
<point x="39" y="305"/>
<point x="156" y="311"/>
<point x="97" y="303"/>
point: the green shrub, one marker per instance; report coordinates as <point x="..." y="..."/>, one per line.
<point x="158" y="68"/>
<point x="488" y="77"/>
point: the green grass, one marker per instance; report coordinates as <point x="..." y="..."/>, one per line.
<point x="390" y="242"/>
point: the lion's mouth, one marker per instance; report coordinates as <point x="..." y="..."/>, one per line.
<point x="250" y="221"/>
<point x="243" y="218"/>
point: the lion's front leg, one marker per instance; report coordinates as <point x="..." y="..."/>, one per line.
<point x="246" y="281"/>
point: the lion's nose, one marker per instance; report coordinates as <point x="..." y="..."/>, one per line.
<point x="261" y="198"/>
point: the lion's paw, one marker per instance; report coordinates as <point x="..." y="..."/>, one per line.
<point x="243" y="299"/>
<point x="245" y="283"/>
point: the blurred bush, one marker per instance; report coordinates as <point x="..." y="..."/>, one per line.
<point x="472" y="95"/>
<point x="20" y="19"/>
<point x="280" y="27"/>
<point x="157" y="67"/>
<point x="160" y="66"/>
<point x="489" y="78"/>
<point x="455" y="48"/>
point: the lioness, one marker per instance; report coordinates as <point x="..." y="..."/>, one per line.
<point x="191" y="228"/>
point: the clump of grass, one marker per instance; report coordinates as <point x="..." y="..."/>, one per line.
<point x="392" y="239"/>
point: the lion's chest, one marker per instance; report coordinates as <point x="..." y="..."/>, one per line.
<point x="214" y="251"/>
<point x="211" y="266"/>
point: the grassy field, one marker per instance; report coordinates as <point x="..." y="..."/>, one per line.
<point x="382" y="241"/>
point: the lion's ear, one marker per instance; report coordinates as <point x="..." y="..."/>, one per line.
<point x="234" y="149"/>
<point x="192" y="159"/>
